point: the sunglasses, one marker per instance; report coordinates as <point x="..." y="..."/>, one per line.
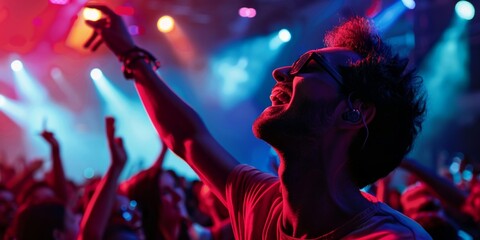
<point x="302" y="62"/>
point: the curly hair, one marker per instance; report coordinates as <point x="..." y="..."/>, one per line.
<point x="382" y="79"/>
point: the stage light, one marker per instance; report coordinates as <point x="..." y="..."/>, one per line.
<point x="389" y="16"/>
<point x="96" y="74"/>
<point x="88" y="173"/>
<point x="16" y="65"/>
<point x="91" y="14"/>
<point x="410" y="4"/>
<point x="284" y="35"/>
<point x="465" y="10"/>
<point x="165" y="24"/>
<point x="247" y="12"/>
<point x="445" y="69"/>
<point x="59" y="2"/>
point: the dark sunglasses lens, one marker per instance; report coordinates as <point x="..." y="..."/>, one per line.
<point x="298" y="65"/>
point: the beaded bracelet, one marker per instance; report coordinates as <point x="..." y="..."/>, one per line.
<point x="134" y="54"/>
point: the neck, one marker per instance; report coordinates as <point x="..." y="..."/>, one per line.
<point x="317" y="191"/>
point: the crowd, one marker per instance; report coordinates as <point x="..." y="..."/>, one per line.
<point x="155" y="203"/>
<point x="342" y="120"/>
<point x="54" y="207"/>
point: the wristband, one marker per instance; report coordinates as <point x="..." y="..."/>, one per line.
<point x="134" y="54"/>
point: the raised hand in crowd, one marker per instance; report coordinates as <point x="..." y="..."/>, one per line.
<point x="104" y="216"/>
<point x="457" y="203"/>
<point x="57" y="176"/>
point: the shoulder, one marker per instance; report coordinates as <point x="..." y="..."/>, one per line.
<point x="390" y="220"/>
<point x="248" y="174"/>
<point x="383" y="222"/>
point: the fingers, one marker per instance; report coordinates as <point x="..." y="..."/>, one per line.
<point x="47" y="135"/>
<point x="96" y="45"/>
<point x="98" y="24"/>
<point x="90" y="40"/>
<point x="110" y="127"/>
<point x="96" y="38"/>
<point x="119" y="142"/>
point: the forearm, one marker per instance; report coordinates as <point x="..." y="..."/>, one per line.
<point x="178" y="125"/>
<point x="174" y="120"/>
<point x="99" y="208"/>
<point x="182" y="130"/>
<point x="444" y="188"/>
<point x="59" y="179"/>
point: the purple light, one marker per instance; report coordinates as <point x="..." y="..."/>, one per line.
<point x="247" y="12"/>
<point x="134" y="30"/>
<point x="59" y="2"/>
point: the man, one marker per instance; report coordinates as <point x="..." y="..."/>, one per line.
<point x="341" y="118"/>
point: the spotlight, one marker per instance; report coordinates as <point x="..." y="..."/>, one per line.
<point x="91" y="14"/>
<point x="284" y="35"/>
<point x="465" y="10"/>
<point x="96" y="74"/>
<point x="16" y="65"/>
<point x="165" y="24"/>
<point x="410" y="4"/>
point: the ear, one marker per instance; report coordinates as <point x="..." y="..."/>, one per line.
<point x="365" y="114"/>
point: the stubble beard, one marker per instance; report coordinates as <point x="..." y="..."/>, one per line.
<point x="283" y="127"/>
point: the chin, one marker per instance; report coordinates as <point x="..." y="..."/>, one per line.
<point x="267" y="127"/>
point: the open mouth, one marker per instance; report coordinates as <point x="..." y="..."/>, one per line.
<point x="279" y="96"/>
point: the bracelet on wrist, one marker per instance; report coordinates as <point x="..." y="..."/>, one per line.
<point x="134" y="54"/>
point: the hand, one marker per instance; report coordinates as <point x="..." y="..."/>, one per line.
<point x="50" y="138"/>
<point x="117" y="150"/>
<point x="472" y="203"/>
<point x="35" y="165"/>
<point x="111" y="29"/>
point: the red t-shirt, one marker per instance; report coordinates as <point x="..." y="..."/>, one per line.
<point x="254" y="201"/>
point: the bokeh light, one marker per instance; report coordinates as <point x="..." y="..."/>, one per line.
<point x="247" y="12"/>
<point x="91" y="14"/>
<point x="165" y="24"/>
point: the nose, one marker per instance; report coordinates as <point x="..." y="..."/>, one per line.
<point x="282" y="74"/>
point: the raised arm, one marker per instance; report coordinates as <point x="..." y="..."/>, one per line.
<point x="59" y="181"/>
<point x="178" y="125"/>
<point x="444" y="188"/>
<point x="99" y="208"/>
<point x="22" y="178"/>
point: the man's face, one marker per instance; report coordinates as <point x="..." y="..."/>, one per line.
<point x="303" y="99"/>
